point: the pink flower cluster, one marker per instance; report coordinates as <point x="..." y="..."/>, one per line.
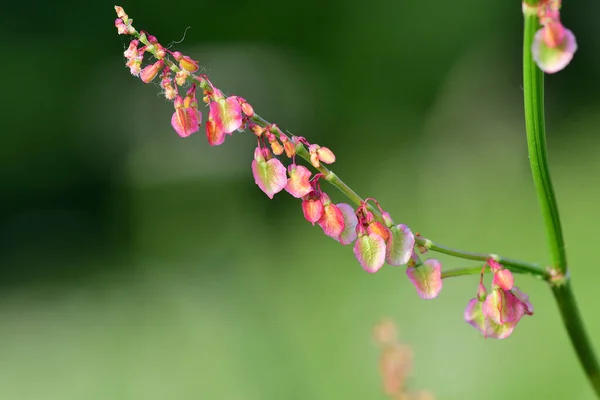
<point x="226" y="114"/>
<point x="496" y="314"/>
<point x="553" y="45"/>
<point x="377" y="239"/>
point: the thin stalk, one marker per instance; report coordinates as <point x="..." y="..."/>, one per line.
<point x="533" y="90"/>
<point x="451" y="273"/>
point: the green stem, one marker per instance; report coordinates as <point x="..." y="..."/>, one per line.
<point x="463" y="271"/>
<point x="533" y="90"/>
<point x="477" y="271"/>
<point x="332" y="178"/>
<point x="574" y="325"/>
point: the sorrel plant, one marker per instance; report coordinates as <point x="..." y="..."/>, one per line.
<point x="376" y="239"/>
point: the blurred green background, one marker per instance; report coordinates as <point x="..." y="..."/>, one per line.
<point x="137" y="265"/>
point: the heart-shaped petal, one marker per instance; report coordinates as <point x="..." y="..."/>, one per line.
<point x="370" y="252"/>
<point x="400" y="245"/>
<point x="427" y="278"/>
<point x="553" y="59"/>
<point x="269" y="176"/>
<point x="350" y="221"/>
<point x="298" y="184"/>
<point x="332" y="220"/>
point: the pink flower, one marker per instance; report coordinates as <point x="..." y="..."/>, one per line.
<point x="312" y="207"/>
<point x="269" y="173"/>
<point x="186" y="119"/>
<point x="298" y="184"/>
<point x="426" y="278"/>
<point x="225" y="115"/>
<point x="369" y="250"/>
<point x="332" y="219"/>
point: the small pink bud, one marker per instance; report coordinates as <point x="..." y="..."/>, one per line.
<point x="332" y="220"/>
<point x="298" y="184"/>
<point x="378" y="228"/>
<point x="312" y="207"/>
<point x="177" y="55"/>
<point x="290" y="149"/>
<point x="427" y="278"/>
<point x="481" y="292"/>
<point x="314" y="156"/>
<point x="160" y="52"/>
<point x="495" y="266"/>
<point x="370" y="251"/>
<point x="246" y="108"/>
<point x="188" y="64"/>
<point x="270" y="176"/>
<point x="149" y="72"/>
<point x="350" y="221"/>
<point x="503" y="279"/>
<point x="325" y="155"/>
<point x="132" y="50"/>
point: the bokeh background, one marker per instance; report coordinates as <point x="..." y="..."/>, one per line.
<point x="137" y="265"/>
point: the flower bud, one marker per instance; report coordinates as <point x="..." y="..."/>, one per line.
<point x="149" y="72"/>
<point x="188" y="64"/>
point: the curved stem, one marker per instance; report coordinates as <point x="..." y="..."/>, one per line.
<point x="533" y="90"/>
<point x="331" y="177"/>
<point x="463" y="271"/>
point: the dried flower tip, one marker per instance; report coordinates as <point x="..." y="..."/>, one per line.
<point x="135" y="65"/>
<point x="167" y="85"/>
<point x="121" y="13"/>
<point x="181" y="77"/>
